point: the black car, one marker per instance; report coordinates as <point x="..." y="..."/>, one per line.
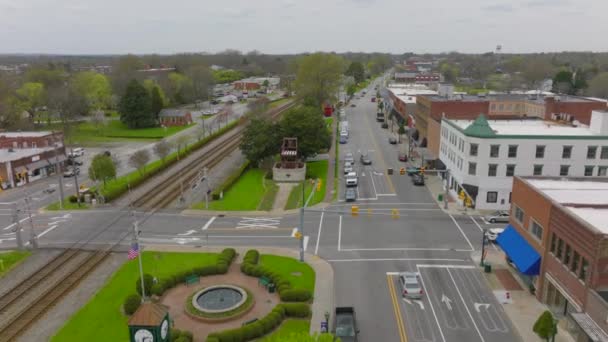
<point x="384" y="125"/>
<point x="418" y="179"/>
<point x="392" y="140"/>
<point x="346" y="324"/>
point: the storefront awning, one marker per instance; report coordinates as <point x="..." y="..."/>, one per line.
<point x="519" y="251"/>
<point x="37" y="164"/>
<point x="590" y="327"/>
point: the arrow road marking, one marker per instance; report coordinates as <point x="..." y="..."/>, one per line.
<point x="478" y="306"/>
<point x="190" y="232"/>
<point x="183" y="241"/>
<point x="447" y="301"/>
<point x="407" y="301"/>
<point x="206" y="226"/>
<point x="419" y="302"/>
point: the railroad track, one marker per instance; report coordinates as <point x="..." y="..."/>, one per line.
<point x="160" y="197"/>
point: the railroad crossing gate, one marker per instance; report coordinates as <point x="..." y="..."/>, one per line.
<point x="149" y="323"/>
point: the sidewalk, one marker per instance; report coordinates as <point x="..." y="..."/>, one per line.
<point x="324" y="275"/>
<point x="525" y="307"/>
<point x="435" y="185"/>
<point x="282" y="195"/>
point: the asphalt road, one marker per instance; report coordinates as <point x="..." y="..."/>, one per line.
<point x="399" y="228"/>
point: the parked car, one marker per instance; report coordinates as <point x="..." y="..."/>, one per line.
<point x="392" y="140"/>
<point x="350" y="195"/>
<point x="418" y="179"/>
<point x="346" y="324"/>
<point x="76" y="152"/>
<point x="343" y="139"/>
<point x="493" y="233"/>
<point x="353" y="105"/>
<point x="74" y="162"/>
<point x="349" y="158"/>
<point x="71" y="172"/>
<point x="403" y="157"/>
<point x="365" y="160"/>
<point x="498" y="216"/>
<point x="384" y="125"/>
<point x="410" y="285"/>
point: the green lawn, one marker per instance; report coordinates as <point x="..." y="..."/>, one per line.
<point x="10" y="259"/>
<point x="288" y="327"/>
<point x="278" y="103"/>
<point x="67" y="205"/>
<point x="314" y="170"/>
<point x="249" y="192"/>
<point x="299" y="274"/>
<point x="101" y="319"/>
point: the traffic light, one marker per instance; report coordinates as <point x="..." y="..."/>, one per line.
<point x="298" y="235"/>
<point x="402" y="171"/>
<point x="354" y="210"/>
<point x="421" y="170"/>
<point x="395" y="213"/>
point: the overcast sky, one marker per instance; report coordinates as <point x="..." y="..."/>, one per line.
<point x="292" y="26"/>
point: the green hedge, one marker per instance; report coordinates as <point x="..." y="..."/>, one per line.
<point x="263" y="326"/>
<point x="288" y="294"/>
<point x="118" y="186"/>
<point x="225" y="186"/>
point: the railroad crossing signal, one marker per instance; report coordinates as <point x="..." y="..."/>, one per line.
<point x="354" y="210"/>
<point x="395" y="213"/>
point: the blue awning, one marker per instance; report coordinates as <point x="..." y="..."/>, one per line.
<point x="519" y="251"/>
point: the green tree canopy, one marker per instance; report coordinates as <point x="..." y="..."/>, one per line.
<point x="202" y="79"/>
<point x="357" y="71"/>
<point x="545" y="326"/>
<point x="156" y="101"/>
<point x="261" y="139"/>
<point x="135" y="107"/>
<point x="102" y="168"/>
<point x="180" y="88"/>
<point x="319" y="77"/>
<point x="94" y="87"/>
<point x="32" y="95"/>
<point x="227" y="76"/>
<point x="563" y="82"/>
<point x="308" y="125"/>
<point x="598" y="86"/>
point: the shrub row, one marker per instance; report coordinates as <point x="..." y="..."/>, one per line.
<point x="117" y="187"/>
<point x="288" y="294"/>
<point x="263" y="326"/>
<point x="232" y="178"/>
<point x="181" y="335"/>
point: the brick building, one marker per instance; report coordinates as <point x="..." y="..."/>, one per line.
<point x="28" y="156"/>
<point x="175" y="117"/>
<point x="562" y="223"/>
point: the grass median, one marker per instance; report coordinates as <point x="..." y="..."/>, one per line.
<point x="287" y="329"/>
<point x="314" y="170"/>
<point x="10" y="259"/>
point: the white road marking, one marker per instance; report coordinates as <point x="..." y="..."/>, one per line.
<point x="402" y="249"/>
<point x="463" y="234"/>
<point x="419" y="302"/>
<point x="293" y="232"/>
<point x="206" y="226"/>
<point x="374" y="186"/>
<point x="340" y="233"/>
<point x="395" y="259"/>
<point x="397" y="203"/>
<point x="447" y="301"/>
<point x="46" y="231"/>
<point x="190" y="232"/>
<point x="465" y="306"/>
<point x="385" y="195"/>
<point x="445" y="266"/>
<point x="432" y="308"/>
<point x="478" y="226"/>
<point x="319" y="233"/>
<point x="13" y="224"/>
<point x="265" y="222"/>
<point x="306" y="239"/>
<point x="478" y="306"/>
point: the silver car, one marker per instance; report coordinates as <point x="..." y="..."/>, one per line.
<point x="410" y="285"/>
<point x="349" y="158"/>
<point x="497" y="216"/>
<point x="350" y="195"/>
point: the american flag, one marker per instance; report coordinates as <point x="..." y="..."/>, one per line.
<point x="134" y="251"/>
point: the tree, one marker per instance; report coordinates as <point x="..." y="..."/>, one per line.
<point x="308" y="125"/>
<point x="32" y="95"/>
<point x="598" y="86"/>
<point x="134" y="107"/>
<point x="180" y="88"/>
<point x="563" y="82"/>
<point x="318" y="77"/>
<point x="450" y="72"/>
<point x="95" y="88"/>
<point x="139" y="159"/>
<point x="156" y="101"/>
<point x="265" y="84"/>
<point x="124" y="71"/>
<point x="201" y="78"/>
<point x="261" y="139"/>
<point x="357" y="71"/>
<point x="162" y="149"/>
<point x="181" y="142"/>
<point x="102" y="168"/>
<point x="401" y="131"/>
<point x="545" y="326"/>
<point x="536" y="71"/>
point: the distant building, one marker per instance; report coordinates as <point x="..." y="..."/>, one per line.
<point x="255" y="83"/>
<point x="558" y="240"/>
<point x="28" y="156"/>
<point x="175" y="117"/>
<point x="403" y="99"/>
<point x="484" y="155"/>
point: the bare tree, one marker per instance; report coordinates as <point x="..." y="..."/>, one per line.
<point x="162" y="149"/>
<point x="139" y="159"/>
<point x="201" y="130"/>
<point x="181" y="142"/>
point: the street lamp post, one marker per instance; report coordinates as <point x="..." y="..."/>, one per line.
<point x="59" y="175"/>
<point x="302" y="223"/>
<point x="483" y="247"/>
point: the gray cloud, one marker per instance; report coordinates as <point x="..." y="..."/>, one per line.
<point x="498" y="8"/>
<point x="546" y="3"/>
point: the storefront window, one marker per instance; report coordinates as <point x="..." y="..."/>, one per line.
<point x="583" y="273"/>
<point x="567" y="255"/>
<point x="553" y="243"/>
<point x="574" y="265"/>
<point x="560" y="246"/>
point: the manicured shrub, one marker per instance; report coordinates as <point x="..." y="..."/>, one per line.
<point x="131" y="304"/>
<point x="148" y="282"/>
<point x="158" y="289"/>
<point x="213" y="338"/>
<point x="295" y="295"/>
<point x="188" y="335"/>
<point x="182" y="339"/>
<point x="296" y="309"/>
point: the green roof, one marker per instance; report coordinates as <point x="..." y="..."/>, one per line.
<point x="480" y="128"/>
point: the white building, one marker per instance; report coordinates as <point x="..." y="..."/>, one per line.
<point x="484" y="155"/>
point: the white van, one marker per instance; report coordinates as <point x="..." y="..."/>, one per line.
<point x="351" y="179"/>
<point x="76" y="152"/>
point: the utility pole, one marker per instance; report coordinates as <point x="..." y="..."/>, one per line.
<point x="139" y="255"/>
<point x="17" y="228"/>
<point x="60" y="176"/>
<point x="33" y="236"/>
<point x="445" y="195"/>
<point x="205" y="169"/>
<point x="76" y="179"/>
<point x="302" y="223"/>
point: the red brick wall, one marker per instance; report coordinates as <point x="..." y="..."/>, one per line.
<point x="465" y="110"/>
<point x="580" y="111"/>
<point x="43" y="141"/>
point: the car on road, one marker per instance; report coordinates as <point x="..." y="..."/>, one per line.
<point x="349" y="158"/>
<point x="501" y="216"/>
<point x="412" y="171"/>
<point x="392" y="140"/>
<point x="346" y="324"/>
<point x="351" y="179"/>
<point x="384" y="125"/>
<point x="493" y="233"/>
<point x="403" y="156"/>
<point x="71" y="172"/>
<point x="373" y="99"/>
<point x="343" y="139"/>
<point x="365" y="160"/>
<point x="418" y="179"/>
<point x="410" y="285"/>
<point x="76" y="152"/>
<point x="350" y="195"/>
<point x="348" y="168"/>
<point x="74" y="162"/>
<point x="48" y="190"/>
<point x="353" y="105"/>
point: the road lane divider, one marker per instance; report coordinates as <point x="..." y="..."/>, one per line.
<point x="396" y="308"/>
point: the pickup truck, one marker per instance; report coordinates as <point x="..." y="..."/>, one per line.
<point x="346" y="324"/>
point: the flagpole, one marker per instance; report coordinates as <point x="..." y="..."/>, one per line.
<point x="139" y="252"/>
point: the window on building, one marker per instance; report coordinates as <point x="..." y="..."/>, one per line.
<point x="553" y="242"/>
<point x="589" y="170"/>
<point x="538" y="170"/>
<point x="512" y="151"/>
<point x="540" y="151"/>
<point x="604" y="152"/>
<point x="519" y="214"/>
<point x="473" y="150"/>
<point x="492" y="197"/>
<point x="472" y="168"/>
<point x="601" y="170"/>
<point x="583" y="272"/>
<point x="575" y="261"/>
<point x="493" y="106"/>
<point x="560" y="246"/>
<point x="591" y="152"/>
<point x="510" y="170"/>
<point x="563" y="170"/>
<point x="501" y="106"/>
<point x="492" y="170"/>
<point x="567" y="255"/>
<point x="566" y="152"/>
<point x="494" y="150"/>
<point x="536" y="230"/>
